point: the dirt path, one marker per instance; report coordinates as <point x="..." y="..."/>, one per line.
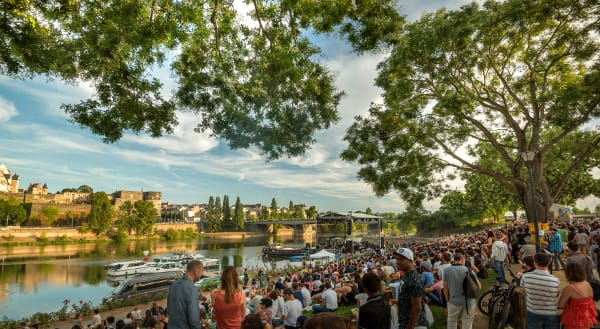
<point x="481" y="321"/>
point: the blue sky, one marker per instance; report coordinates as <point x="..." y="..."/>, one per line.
<point x="40" y="145"/>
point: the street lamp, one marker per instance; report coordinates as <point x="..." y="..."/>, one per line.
<point x="528" y="157"/>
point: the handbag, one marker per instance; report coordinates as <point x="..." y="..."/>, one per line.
<point x="428" y="315"/>
<point x="596" y="288"/>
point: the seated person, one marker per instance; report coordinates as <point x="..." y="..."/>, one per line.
<point x="433" y="294"/>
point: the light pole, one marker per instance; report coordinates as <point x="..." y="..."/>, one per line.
<point x="528" y="158"/>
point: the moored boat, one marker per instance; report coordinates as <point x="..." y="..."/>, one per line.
<point x="184" y="257"/>
<point x="161" y="268"/>
<point x="127" y="268"/>
<point x="279" y="251"/>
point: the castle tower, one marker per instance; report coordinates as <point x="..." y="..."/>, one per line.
<point x="14" y="184"/>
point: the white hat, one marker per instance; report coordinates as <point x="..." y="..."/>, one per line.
<point x="405" y="252"/>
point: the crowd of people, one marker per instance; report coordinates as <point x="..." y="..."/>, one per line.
<point x="394" y="286"/>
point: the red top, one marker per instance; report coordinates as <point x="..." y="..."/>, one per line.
<point x="579" y="312"/>
<point x="229" y="316"/>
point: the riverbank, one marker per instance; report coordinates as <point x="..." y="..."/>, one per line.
<point x="28" y="235"/>
<point x="480" y="320"/>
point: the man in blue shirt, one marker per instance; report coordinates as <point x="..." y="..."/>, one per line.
<point x="556" y="245"/>
<point x="182" y="301"/>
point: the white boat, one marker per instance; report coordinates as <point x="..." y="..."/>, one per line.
<point x="210" y="264"/>
<point x="176" y="257"/>
<point x="127" y="268"/>
<point x="161" y="268"/>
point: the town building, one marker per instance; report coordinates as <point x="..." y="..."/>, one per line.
<point x="8" y="182"/>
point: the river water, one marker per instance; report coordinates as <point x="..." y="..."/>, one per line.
<point x="39" y="278"/>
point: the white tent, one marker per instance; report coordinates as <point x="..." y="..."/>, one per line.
<point x="323" y="255"/>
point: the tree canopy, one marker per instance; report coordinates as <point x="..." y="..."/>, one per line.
<point x="487" y="82"/>
<point x="251" y="73"/>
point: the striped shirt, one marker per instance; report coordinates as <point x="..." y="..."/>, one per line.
<point x="541" y="291"/>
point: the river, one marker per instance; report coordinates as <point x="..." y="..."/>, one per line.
<point x="39" y="278"/>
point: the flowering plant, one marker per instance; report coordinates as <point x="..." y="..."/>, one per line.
<point x="83" y="308"/>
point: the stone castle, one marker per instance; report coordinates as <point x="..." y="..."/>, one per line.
<point x="37" y="194"/>
<point x="8" y="182"/>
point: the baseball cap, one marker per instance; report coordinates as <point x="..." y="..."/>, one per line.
<point x="405" y="252"/>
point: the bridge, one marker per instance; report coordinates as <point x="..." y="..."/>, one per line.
<point x="301" y="226"/>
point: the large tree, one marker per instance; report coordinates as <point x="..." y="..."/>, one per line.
<point x="126" y="217"/>
<point x="253" y="75"/>
<point x="227" y="222"/>
<point x="513" y="76"/>
<point x="238" y="215"/>
<point x="101" y="213"/>
<point x="12" y="212"/>
<point x="145" y="217"/>
<point x="211" y="221"/>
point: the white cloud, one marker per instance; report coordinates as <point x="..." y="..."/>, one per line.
<point x="7" y="110"/>
<point x="184" y="139"/>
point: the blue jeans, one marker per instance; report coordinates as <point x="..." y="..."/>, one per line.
<point x="318" y="308"/>
<point x="499" y="267"/>
<point x="537" y="321"/>
<point x="435" y="298"/>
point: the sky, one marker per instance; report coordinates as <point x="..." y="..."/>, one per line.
<point x="40" y="145"/>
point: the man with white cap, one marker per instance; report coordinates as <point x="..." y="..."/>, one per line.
<point x="411" y="294"/>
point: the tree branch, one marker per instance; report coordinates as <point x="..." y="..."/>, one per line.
<point x="583" y="119"/>
<point x="258" y="16"/>
<point x="213" y="20"/>
<point x="575" y="164"/>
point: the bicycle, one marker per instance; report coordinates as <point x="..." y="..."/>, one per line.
<point x="500" y="307"/>
<point x="484" y="299"/>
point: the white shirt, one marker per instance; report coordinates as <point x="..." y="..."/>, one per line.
<point x="330" y="298"/>
<point x="292" y="310"/>
<point x="499" y="250"/>
<point x="306" y="299"/>
<point x="277" y="307"/>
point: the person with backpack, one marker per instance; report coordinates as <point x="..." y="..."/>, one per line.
<point x="460" y="293"/>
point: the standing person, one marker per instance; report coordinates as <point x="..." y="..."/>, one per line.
<point x="229" y="302"/>
<point x="574" y="256"/>
<point x="411" y="294"/>
<point x="489" y="242"/>
<point x="292" y="309"/>
<point x="579" y="309"/>
<point x="182" y="300"/>
<point x="556" y="247"/>
<point x="499" y="256"/>
<point x="375" y="313"/>
<point x="458" y="303"/>
<point x="583" y="240"/>
<point x="541" y="290"/>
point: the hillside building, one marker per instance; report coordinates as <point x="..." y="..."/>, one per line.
<point x="8" y="182"/>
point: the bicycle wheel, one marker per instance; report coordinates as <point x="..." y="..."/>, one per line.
<point x="504" y="316"/>
<point x="495" y="309"/>
<point x="483" y="302"/>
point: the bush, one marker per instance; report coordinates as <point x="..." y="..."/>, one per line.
<point x="171" y="234"/>
<point x="63" y="239"/>
<point x="43" y="238"/>
<point x="120" y="236"/>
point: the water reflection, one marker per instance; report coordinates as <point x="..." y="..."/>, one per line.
<point x="38" y="278"/>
